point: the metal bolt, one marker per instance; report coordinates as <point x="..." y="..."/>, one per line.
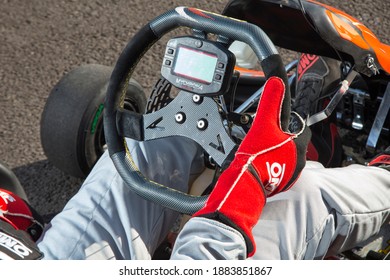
<point x="197" y="99"/>
<point x="202" y="124"/>
<point x="198" y="43"/>
<point x="180" y="117"/>
<point x="244" y="119"/>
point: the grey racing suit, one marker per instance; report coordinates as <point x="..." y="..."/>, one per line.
<point x="326" y="211"/>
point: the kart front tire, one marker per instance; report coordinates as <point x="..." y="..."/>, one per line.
<point x="72" y="134"/>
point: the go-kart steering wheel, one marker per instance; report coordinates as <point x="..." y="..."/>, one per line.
<point x="207" y="127"/>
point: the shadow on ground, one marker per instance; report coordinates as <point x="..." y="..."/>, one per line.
<point x="47" y="187"/>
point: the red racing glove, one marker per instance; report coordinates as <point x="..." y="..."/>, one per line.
<point x="268" y="161"/>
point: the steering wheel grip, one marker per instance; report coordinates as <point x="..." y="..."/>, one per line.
<point x="229" y="28"/>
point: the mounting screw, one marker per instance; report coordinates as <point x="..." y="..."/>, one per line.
<point x="202" y="124"/>
<point x="244" y="119"/>
<point x="197" y="99"/>
<point x="198" y="43"/>
<point x="180" y="117"/>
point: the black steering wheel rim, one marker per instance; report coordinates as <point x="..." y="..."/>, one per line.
<point x="196" y="19"/>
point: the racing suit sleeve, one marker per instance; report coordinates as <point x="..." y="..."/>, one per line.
<point x="208" y="239"/>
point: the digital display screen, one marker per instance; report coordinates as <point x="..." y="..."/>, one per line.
<point x="195" y="65"/>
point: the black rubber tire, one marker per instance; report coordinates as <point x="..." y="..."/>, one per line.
<point x="72" y="134"/>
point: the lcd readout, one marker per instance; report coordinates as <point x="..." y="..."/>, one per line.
<point x="195" y="65"/>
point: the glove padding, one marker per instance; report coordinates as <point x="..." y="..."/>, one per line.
<point x="268" y="161"/>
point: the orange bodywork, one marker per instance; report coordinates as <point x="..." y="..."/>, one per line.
<point x="350" y="29"/>
<point x="249" y="72"/>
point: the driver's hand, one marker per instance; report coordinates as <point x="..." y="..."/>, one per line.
<point x="268" y="161"/>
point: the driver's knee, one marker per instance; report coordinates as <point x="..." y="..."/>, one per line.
<point x="173" y="161"/>
<point x="326" y="211"/>
<point x="292" y="222"/>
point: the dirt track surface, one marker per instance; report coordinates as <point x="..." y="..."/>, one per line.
<point x="41" y="40"/>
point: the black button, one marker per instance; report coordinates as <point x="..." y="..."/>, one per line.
<point x="168" y="62"/>
<point x="221" y="65"/>
<point x="218" y="77"/>
<point x="170" y="51"/>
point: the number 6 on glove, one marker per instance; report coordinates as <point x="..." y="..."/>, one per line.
<point x="268" y="161"/>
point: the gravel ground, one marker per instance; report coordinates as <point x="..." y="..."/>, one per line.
<point x="41" y="40"/>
